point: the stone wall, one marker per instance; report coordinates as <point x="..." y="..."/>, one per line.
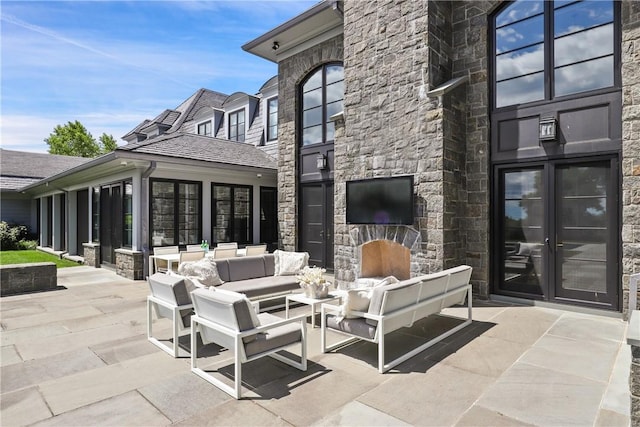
<point x="630" y="144"/>
<point x="23" y="278"/>
<point x="395" y="52"/>
<point x="129" y="264"/>
<point x="291" y="72"/>
<point x="391" y="127"/>
<point x="469" y="55"/>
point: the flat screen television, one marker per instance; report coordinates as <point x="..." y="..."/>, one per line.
<point x="380" y="201"/>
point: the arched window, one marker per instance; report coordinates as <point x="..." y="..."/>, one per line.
<point x="544" y="50"/>
<point x="322" y="93"/>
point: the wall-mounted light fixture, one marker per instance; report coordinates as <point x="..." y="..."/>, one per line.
<point x="275" y="46"/>
<point x="321" y="162"/>
<point x="547" y="131"/>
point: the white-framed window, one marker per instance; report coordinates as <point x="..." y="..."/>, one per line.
<point x="237" y="126"/>
<point x="204" y="128"/>
<point x="272" y="118"/>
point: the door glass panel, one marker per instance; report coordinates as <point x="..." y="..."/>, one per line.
<point x="522" y="228"/>
<point x="582" y="227"/>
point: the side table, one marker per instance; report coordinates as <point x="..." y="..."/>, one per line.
<point x="313" y="302"/>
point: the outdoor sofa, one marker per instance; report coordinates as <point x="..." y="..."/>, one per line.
<point x="396" y="305"/>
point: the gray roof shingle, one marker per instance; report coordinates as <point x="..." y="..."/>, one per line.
<point x="21" y="168"/>
<point x="197" y="147"/>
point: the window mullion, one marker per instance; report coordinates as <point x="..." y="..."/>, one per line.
<point x="549" y="63"/>
<point x="176" y="210"/>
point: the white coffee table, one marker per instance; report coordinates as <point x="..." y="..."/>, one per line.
<point x="313" y="302"/>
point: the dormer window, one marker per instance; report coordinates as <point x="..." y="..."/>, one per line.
<point x="236" y="126"/>
<point x="204" y="128"/>
<point x="272" y="119"/>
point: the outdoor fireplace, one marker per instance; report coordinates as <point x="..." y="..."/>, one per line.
<point x="385" y="250"/>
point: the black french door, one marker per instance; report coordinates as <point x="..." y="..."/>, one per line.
<point x="557" y="224"/>
<point x="316" y="223"/>
<point x="110" y="222"/>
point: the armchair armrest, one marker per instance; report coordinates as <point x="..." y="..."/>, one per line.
<point x="248" y="332"/>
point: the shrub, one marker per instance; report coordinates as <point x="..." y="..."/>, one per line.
<point x="13" y="237"/>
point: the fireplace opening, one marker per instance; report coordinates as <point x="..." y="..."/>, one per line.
<point x="382" y="258"/>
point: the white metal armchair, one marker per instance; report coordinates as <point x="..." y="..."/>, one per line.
<point x="163" y="265"/>
<point x="219" y="253"/>
<point x="255" y="250"/>
<point x="171" y="300"/>
<point x="229" y="320"/>
<point x="191" y="256"/>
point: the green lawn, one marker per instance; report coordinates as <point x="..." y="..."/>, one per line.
<point x="24" y="257"/>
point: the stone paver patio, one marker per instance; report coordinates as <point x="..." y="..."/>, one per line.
<point x="79" y="356"/>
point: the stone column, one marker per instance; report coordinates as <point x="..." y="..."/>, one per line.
<point x="630" y="144"/>
<point x="92" y="254"/>
<point x="633" y="339"/>
<point x="129" y="264"/>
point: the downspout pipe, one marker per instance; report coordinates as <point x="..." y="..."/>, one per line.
<point x="338" y="8"/>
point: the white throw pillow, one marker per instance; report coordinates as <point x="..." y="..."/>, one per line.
<point x="359" y="299"/>
<point x="355" y="300"/>
<point x="289" y="263"/>
<point x="204" y="270"/>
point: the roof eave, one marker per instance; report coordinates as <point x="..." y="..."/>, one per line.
<point x="320" y="18"/>
<point x="91" y="163"/>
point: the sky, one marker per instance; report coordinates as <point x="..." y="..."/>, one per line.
<point x="112" y="64"/>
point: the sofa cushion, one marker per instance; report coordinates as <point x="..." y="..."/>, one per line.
<point x="204" y="270"/>
<point x="263" y="286"/>
<point x="269" y="264"/>
<point x="356" y="326"/>
<point x="289" y="263"/>
<point x="223" y="270"/>
<point x="243" y="268"/>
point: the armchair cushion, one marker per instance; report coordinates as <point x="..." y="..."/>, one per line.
<point x="289" y="263"/>
<point x="204" y="270"/>
<point x="279" y="336"/>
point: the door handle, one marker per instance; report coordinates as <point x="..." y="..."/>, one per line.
<point x="559" y="245"/>
<point x="547" y="242"/>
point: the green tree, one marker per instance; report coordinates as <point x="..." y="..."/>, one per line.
<point x="73" y="139"/>
<point x="107" y="143"/>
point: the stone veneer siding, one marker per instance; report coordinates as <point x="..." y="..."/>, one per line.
<point x="91" y="254"/>
<point x="291" y="72"/>
<point x="469" y="55"/>
<point x="129" y="264"/>
<point x="396" y="51"/>
<point x="630" y="148"/>
<point x="31" y="277"/>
